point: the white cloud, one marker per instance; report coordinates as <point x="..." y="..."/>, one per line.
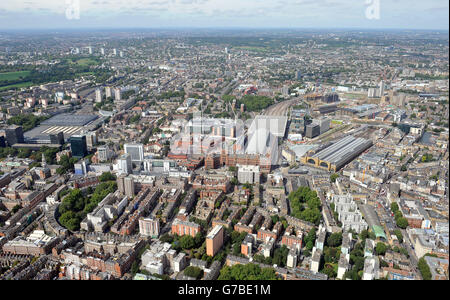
<point x="295" y="12"/>
<point x="206" y="7"/>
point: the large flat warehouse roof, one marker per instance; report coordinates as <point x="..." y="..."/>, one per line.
<point x="41" y="134"/>
<point x="69" y="120"/>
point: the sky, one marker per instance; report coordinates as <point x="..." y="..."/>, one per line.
<point x="370" y="14"/>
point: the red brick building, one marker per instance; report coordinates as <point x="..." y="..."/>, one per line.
<point x="181" y="228"/>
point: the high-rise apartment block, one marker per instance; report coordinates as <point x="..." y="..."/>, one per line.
<point x="214" y="240"/>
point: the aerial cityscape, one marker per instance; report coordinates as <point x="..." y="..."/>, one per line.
<point x="224" y="154"/>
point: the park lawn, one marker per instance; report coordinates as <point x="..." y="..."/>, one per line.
<point x="14" y="75"/>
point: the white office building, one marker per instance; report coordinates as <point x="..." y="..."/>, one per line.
<point x="248" y="174"/>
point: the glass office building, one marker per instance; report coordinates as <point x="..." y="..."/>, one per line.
<point x="78" y="146"/>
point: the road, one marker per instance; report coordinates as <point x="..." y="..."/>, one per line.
<point x="412" y="255"/>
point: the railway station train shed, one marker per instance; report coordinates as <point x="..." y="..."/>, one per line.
<point x="338" y="154"/>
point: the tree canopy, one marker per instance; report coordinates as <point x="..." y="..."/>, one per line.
<point x="333" y="177"/>
<point x="194" y="272"/>
<point x="76" y="206"/>
<point x="27" y="121"/>
<point x="424" y="269"/>
<point x="305" y="205"/>
<point x="335" y="239"/>
<point x="251" y="102"/>
<point x="187" y="242"/>
<point x="66" y="163"/>
<point x="107" y="176"/>
<point x="247" y="272"/>
<point x="380" y="248"/>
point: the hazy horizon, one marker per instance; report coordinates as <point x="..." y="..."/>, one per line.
<point x="179" y="28"/>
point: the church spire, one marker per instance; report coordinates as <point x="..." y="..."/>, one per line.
<point x="44" y="161"/>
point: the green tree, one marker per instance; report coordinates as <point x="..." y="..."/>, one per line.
<point x="335" y="239"/>
<point x="402" y="222"/>
<point x="363" y="235"/>
<point x="199" y="239"/>
<point x="75" y="205"/>
<point x="399" y="235"/>
<point x="427" y="158"/>
<point x="354" y="273"/>
<point x="134" y="268"/>
<point x="333" y="177"/>
<point x="380" y="248"/>
<point x="329" y="271"/>
<point x="394" y="207"/>
<point x="305" y="205"/>
<point x="187" y="242"/>
<point x="166" y="238"/>
<point x="70" y="220"/>
<point x="247" y="272"/>
<point x="16" y="208"/>
<point x="193" y="272"/>
<point x="107" y="176"/>
<point x="310" y="238"/>
<point x="66" y="164"/>
<point x="238" y="237"/>
<point x="27" y="121"/>
<point x="280" y="256"/>
<point x="424" y="269"/>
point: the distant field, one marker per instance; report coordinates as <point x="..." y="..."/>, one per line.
<point x="85" y="74"/>
<point x="354" y="96"/>
<point x="84" y="62"/>
<point x="14" y="75"/>
<point x="255" y="49"/>
<point x="18" y="85"/>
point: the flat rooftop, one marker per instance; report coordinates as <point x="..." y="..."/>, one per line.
<point x="69" y="124"/>
<point x="214" y="232"/>
<point x="339" y="151"/>
<point x="41" y="134"/>
<point x="69" y="120"/>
